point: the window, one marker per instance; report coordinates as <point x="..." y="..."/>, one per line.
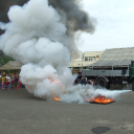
<point x="86" y="58"/>
<point x="90" y="58"/>
<point x="94" y="58"/>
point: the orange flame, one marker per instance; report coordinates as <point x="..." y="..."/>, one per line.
<point x="59" y="84"/>
<point x="55" y="80"/>
<point x="56" y="99"/>
<point x="101" y="99"/>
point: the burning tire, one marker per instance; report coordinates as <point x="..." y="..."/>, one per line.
<point x="133" y="85"/>
<point x="101" y="82"/>
<point x="101" y="100"/>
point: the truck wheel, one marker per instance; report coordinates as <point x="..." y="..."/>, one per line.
<point x="101" y="82"/>
<point x="133" y="85"/>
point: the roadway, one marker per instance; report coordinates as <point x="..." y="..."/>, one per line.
<point x="21" y="113"/>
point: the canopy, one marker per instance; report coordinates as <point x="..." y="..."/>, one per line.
<point x="11" y="65"/>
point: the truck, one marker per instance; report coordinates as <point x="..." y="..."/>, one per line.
<point x="115" y="66"/>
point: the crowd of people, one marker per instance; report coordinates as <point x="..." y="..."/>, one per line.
<point x="10" y="80"/>
<point x="84" y="80"/>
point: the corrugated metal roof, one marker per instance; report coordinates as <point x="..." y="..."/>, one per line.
<point x="116" y="57"/>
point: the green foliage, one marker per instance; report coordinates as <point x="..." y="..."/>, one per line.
<point x="4" y="58"/>
<point x="76" y="70"/>
<point x="12" y="71"/>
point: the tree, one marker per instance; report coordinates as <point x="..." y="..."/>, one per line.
<point x="4" y="58"/>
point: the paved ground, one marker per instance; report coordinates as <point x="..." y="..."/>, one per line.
<point x="21" y="113"/>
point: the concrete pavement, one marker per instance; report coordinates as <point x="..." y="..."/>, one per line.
<point x="21" y="113"/>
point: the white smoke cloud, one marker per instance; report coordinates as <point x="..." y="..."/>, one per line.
<point x="34" y="36"/>
<point x="3" y="26"/>
<point x="37" y="37"/>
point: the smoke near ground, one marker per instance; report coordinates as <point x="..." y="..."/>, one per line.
<point x="40" y="34"/>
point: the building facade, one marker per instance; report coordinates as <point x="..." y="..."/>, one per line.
<point x="85" y="59"/>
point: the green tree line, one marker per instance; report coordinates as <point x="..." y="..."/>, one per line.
<point x="4" y="58"/>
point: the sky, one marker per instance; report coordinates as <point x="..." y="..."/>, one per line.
<point x="114" y="25"/>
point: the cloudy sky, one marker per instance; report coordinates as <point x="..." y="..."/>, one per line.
<point x="114" y="28"/>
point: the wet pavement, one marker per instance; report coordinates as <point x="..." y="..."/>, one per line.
<point x="21" y="113"/>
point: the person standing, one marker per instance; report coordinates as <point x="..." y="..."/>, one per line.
<point x="16" y="80"/>
<point x="3" y="81"/>
<point x="84" y="80"/>
<point x="12" y="80"/>
<point x="8" y="81"/>
<point x="0" y="81"/>
<point x="91" y="81"/>
<point x="20" y="83"/>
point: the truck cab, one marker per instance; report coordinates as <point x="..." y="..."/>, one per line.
<point x="132" y="74"/>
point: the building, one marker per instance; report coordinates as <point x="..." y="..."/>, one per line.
<point x="85" y="59"/>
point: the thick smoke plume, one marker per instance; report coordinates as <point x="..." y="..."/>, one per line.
<point x="40" y="34"/>
<point x="75" y="17"/>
